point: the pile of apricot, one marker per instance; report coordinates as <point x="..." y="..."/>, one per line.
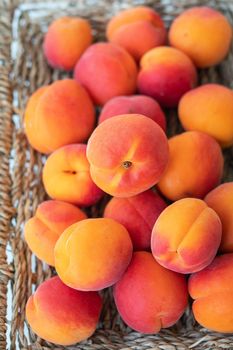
<point x="153" y="245"/>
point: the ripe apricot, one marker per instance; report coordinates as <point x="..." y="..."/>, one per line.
<point x="138" y="30"/>
<point x="66" y="40"/>
<point x="57" y="115"/>
<point x="93" y="254"/>
<point x="148" y="296"/>
<point x="42" y="231"/>
<point x="62" y="315"/>
<point x="66" y="176"/>
<point x="186" y="236"/>
<point x="106" y="70"/>
<point x="128" y="154"/>
<point x="203" y="33"/>
<point x="194" y="168"/>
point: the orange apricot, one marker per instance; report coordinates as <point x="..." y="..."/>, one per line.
<point x="128" y="154"/>
<point x="194" y="168"/>
<point x="136" y="104"/>
<point x="66" y="40"/>
<point x="42" y="231"/>
<point x="138" y="30"/>
<point x="66" y="176"/>
<point x="203" y="33"/>
<point x="166" y="74"/>
<point x="58" y="114"/>
<point x="148" y="296"/>
<point x="93" y="254"/>
<point x="220" y="199"/>
<point x="62" y="315"/>
<point x="137" y="214"/>
<point x="106" y="70"/>
<point x="212" y="291"/>
<point x="209" y="108"/>
<point x="186" y="236"/>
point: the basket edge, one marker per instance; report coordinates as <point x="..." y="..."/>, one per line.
<point x="6" y="127"/>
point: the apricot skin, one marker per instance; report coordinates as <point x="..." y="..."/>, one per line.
<point x="203" y="33"/>
<point x="209" y="108"/>
<point x="212" y="291"/>
<point x="137" y="30"/>
<point x="42" y="231"/>
<point x="128" y="154"/>
<point x="148" y="296"/>
<point x="65" y="41"/>
<point x="136" y="104"/>
<point x="137" y="214"/>
<point x="220" y="199"/>
<point x="66" y="176"/>
<point x="106" y="70"/>
<point x="62" y="315"/>
<point x="194" y="168"/>
<point x="166" y="74"/>
<point x="58" y="114"/>
<point x="93" y="254"/>
<point x="186" y="236"/>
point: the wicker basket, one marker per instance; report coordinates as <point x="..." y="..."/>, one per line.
<point x="22" y="70"/>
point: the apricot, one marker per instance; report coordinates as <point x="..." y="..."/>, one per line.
<point x="106" y="70"/>
<point x="148" y="296"/>
<point x="128" y="154"/>
<point x="30" y="127"/>
<point x="58" y="114"/>
<point x="203" y="33"/>
<point x="137" y="214"/>
<point x="209" y="108"/>
<point x="66" y="176"/>
<point x="166" y="74"/>
<point x="65" y="41"/>
<point x="42" y="231"/>
<point x="136" y="104"/>
<point x="220" y="200"/>
<point x="194" y="168"/>
<point x="186" y="236"/>
<point x="212" y="291"/>
<point x="62" y="315"/>
<point x="93" y="254"/>
<point x="138" y="30"/>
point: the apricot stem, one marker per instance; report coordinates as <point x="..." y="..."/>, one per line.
<point x="127" y="164"/>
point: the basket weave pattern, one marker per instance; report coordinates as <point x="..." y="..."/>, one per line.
<point x="22" y="70"/>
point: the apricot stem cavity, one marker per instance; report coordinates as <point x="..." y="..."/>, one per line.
<point x="127" y="164"/>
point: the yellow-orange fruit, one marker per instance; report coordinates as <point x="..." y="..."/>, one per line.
<point x="57" y="115"/>
<point x="212" y="291"/>
<point x="30" y="127"/>
<point x="138" y="30"/>
<point x="194" y="168"/>
<point x="42" y="231"/>
<point x="66" y="176"/>
<point x="137" y="214"/>
<point x="209" y="108"/>
<point x="66" y="40"/>
<point x="106" y="70"/>
<point x="93" y="254"/>
<point x="186" y="236"/>
<point x="148" y="296"/>
<point x="166" y="74"/>
<point x="62" y="315"/>
<point x="203" y="33"/>
<point x="135" y="104"/>
<point x="221" y="200"/>
<point x="128" y="154"/>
